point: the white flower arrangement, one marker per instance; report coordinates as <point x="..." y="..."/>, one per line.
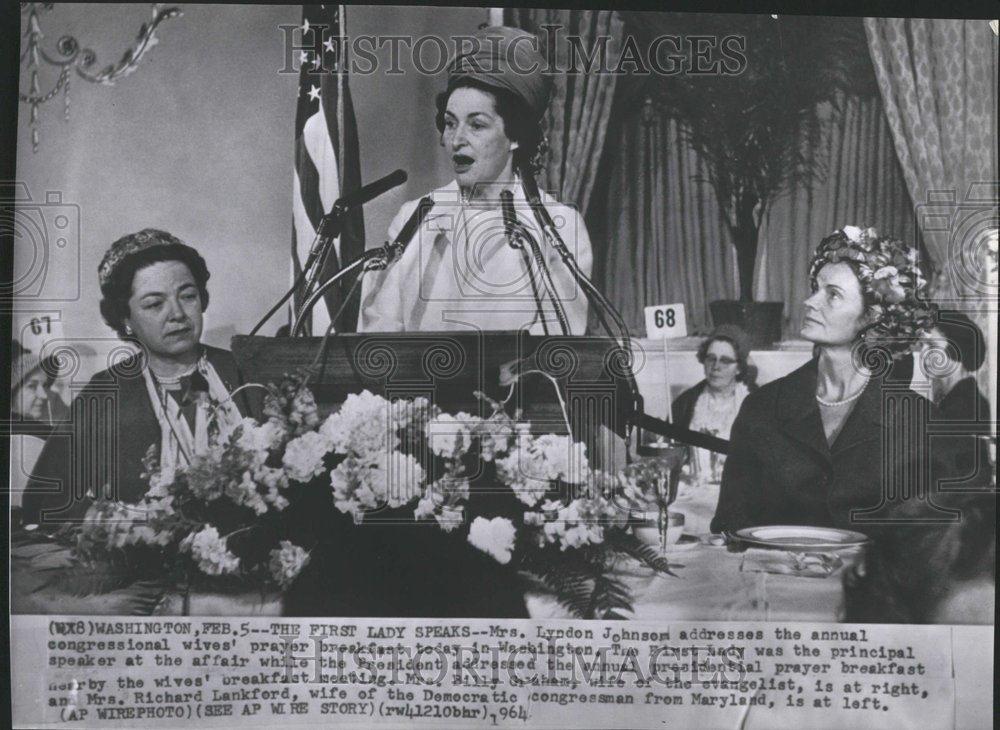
<point x="494" y="537"/>
<point x="303" y="458"/>
<point x="449" y="436"/>
<point x="372" y="454"/>
<point x="286" y="562"/>
<point x="210" y="551"/>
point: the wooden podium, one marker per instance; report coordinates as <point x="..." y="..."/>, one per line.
<point x="449" y="367"/>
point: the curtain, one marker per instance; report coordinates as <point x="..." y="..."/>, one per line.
<point x="863" y="185"/>
<point x="667" y="239"/>
<point x="938" y="80"/>
<point x="578" y="113"/>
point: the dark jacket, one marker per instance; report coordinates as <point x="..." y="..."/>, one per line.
<point x="683" y="407"/>
<point x="964" y="402"/>
<point x="111" y="427"/>
<point x="780" y="469"/>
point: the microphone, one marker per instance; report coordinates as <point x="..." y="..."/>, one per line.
<point x="371" y="191"/>
<point x="395" y="249"/>
<point x="535" y="200"/>
<point x="520" y="237"/>
<point x="510" y="222"/>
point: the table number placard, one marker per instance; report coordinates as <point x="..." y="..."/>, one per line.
<point x="664" y="321"/>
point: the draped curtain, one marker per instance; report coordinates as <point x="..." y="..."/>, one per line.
<point x="578" y="113"/>
<point x="938" y="80"/>
<point x="863" y="185"/>
<point x="667" y="239"/>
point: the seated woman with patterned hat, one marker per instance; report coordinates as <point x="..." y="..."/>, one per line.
<point x="841" y="440"/>
<point x="171" y="394"/>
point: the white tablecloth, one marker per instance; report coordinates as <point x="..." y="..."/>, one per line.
<point x="711" y="584"/>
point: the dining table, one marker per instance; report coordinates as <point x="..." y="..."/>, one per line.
<point x="711" y="580"/>
<point x="715" y="579"/>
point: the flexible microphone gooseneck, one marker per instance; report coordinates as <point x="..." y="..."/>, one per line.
<point x="375" y="258"/>
<point x="518" y="230"/>
<point x="328" y="229"/>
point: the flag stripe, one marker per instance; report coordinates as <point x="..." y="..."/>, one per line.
<point x="327" y="162"/>
<point x="307" y="186"/>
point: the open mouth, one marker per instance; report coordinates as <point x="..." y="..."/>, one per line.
<point x="179" y="333"/>
<point x="462" y="163"/>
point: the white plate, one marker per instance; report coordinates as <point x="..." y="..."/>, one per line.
<point x="800" y="537"/>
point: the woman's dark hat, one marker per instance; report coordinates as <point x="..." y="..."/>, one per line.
<point x="506" y="59"/>
<point x="130" y="245"/>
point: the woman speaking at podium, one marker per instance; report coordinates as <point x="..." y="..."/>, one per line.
<point x="459" y="270"/>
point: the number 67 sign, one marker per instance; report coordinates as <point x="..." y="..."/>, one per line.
<point x="665" y="320"/>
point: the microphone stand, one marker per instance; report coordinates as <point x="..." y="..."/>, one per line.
<point x="372" y="259"/>
<point x="521" y="237"/>
<point x="330" y="227"/>
<point x="376" y="258"/>
<point x="602" y="305"/>
<point x="593" y="294"/>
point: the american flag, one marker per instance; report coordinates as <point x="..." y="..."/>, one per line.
<point x="327" y="162"/>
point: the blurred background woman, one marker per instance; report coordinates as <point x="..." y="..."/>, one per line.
<point x="711" y="405"/>
<point x="807" y="449"/>
<point x="171" y="395"/>
<point x="459" y="271"/>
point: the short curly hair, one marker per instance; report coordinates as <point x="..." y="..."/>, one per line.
<point x="134" y="252"/>
<point x="737" y="340"/>
<point x="519" y="123"/>
<point x="891" y="283"/>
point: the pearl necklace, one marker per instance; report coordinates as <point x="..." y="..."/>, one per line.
<point x="844" y="401"/>
<point x="164" y="380"/>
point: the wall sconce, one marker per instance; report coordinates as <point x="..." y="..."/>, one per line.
<point x="70" y="55"/>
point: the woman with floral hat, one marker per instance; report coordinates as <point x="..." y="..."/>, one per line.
<point x="830" y="443"/>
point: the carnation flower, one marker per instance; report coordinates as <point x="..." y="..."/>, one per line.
<point x="362" y="427"/>
<point x="534" y="463"/>
<point x="210" y="552"/>
<point x="853" y="233"/>
<point x="564" y="458"/>
<point x="358" y="486"/>
<point x="448" y="436"/>
<point x="304" y="455"/>
<point x="412" y="413"/>
<point x="287" y="562"/>
<point x="523" y="470"/>
<point x="404" y="478"/>
<point x="258" y="440"/>
<point x="494" y="537"/>
<point x="582" y="522"/>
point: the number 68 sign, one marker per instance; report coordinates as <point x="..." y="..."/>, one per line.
<point x="665" y="320"/>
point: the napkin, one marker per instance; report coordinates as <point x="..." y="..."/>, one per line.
<point x="787" y="562"/>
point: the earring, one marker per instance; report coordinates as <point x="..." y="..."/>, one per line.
<point x="128" y="330"/>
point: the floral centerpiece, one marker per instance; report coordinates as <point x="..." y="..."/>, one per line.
<point x="234" y="516"/>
